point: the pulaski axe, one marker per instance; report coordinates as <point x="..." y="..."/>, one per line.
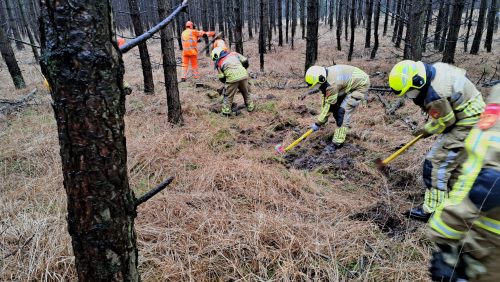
<point x="382" y="163"/>
<point x="279" y="148"/>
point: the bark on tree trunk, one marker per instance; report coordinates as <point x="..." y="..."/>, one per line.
<point x="375" y="29"/>
<point x="272" y="20"/>
<point x="491" y="25"/>
<point x="174" y="110"/>
<point x="413" y="42"/>
<point x="220" y="17"/>
<point x="398" y="20"/>
<point x="330" y="15"/>
<point x="280" y="23"/>
<point x="303" y="17"/>
<point x="353" y="27"/>
<point x="451" y="41"/>
<point x="262" y="44"/>
<point x="287" y="11"/>
<point x="147" y="72"/>
<point x="386" y="19"/>
<point x="269" y="28"/>
<point x="400" y="24"/>
<point x="339" y="25"/>
<point x="446" y="22"/>
<point x="10" y="60"/>
<point x="312" y="33"/>
<point x="474" y="49"/>
<point x="89" y="106"/>
<point x="294" y="21"/>
<point x="238" y="30"/>
<point x="250" y="17"/>
<point x="229" y="21"/>
<point x="369" y="12"/>
<point x="427" y="25"/>
<point x="469" y="25"/>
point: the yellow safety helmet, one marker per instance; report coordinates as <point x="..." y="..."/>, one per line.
<point x="405" y="75"/>
<point x="216" y="53"/>
<point x="315" y="75"/>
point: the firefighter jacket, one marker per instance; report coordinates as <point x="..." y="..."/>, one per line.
<point x="190" y="39"/>
<point x="340" y="81"/>
<point x="449" y="98"/>
<point x="231" y="67"/>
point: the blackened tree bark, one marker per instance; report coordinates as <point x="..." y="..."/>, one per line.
<point x="491" y="25"/>
<point x="398" y="21"/>
<point x="428" y="19"/>
<point x="174" y="110"/>
<point x="10" y="60"/>
<point x="272" y="20"/>
<point x="413" y="42"/>
<point x="330" y="14"/>
<point x="205" y="23"/>
<point x="280" y="23"/>
<point x="375" y="29"/>
<point x="400" y="24"/>
<point x="346" y="18"/>
<point x="82" y="63"/>
<point x="353" y="28"/>
<point x="229" y="21"/>
<point x="386" y="19"/>
<point x="27" y="27"/>
<point x="262" y="43"/>
<point x="13" y="25"/>
<point x="474" y="49"/>
<point x="446" y="24"/>
<point x="238" y="29"/>
<point x="451" y="41"/>
<point x="439" y="25"/>
<point x="147" y="72"/>
<point x="469" y="25"/>
<point x="250" y="16"/>
<point x="287" y="11"/>
<point x="312" y="33"/>
<point x="294" y="21"/>
<point x="220" y="17"/>
<point x="369" y="12"/>
<point x="339" y="25"/>
<point x="269" y="28"/>
<point x="303" y="17"/>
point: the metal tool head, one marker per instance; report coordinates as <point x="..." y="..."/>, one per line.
<point x="279" y="149"/>
<point x="380" y="164"/>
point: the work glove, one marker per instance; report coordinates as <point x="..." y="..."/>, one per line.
<point x="223" y="79"/>
<point x="315" y="127"/>
<point x="442" y="271"/>
<point x="245" y="64"/>
<point x="419" y="131"/>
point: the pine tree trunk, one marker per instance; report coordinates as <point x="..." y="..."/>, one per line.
<point x="400" y="24"/>
<point x="330" y="15"/>
<point x="312" y="33"/>
<point x="339" y="25"/>
<point x="469" y="25"/>
<point x="346" y="18"/>
<point x="262" y="44"/>
<point x="386" y="17"/>
<point x="10" y="60"/>
<point x="147" y="72"/>
<point x="451" y="42"/>
<point x="369" y="12"/>
<point x="280" y="23"/>
<point x="303" y="18"/>
<point x="229" y="21"/>
<point x="428" y="19"/>
<point x="398" y="20"/>
<point x="394" y="4"/>
<point x="353" y="28"/>
<point x="375" y="29"/>
<point x="294" y="20"/>
<point x="414" y="29"/>
<point x="474" y="49"/>
<point x="269" y="28"/>
<point x="220" y="17"/>
<point x="446" y="23"/>
<point x="238" y="29"/>
<point x="24" y="21"/>
<point x="174" y="110"/>
<point x="250" y="17"/>
<point x="89" y="108"/>
<point x="287" y="11"/>
<point x="13" y="25"/>
<point x="491" y="25"/>
<point x="272" y="20"/>
<point x="205" y="23"/>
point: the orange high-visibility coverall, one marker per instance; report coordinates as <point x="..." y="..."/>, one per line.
<point x="190" y="52"/>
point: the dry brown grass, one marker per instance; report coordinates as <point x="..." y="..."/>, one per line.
<point x="235" y="211"/>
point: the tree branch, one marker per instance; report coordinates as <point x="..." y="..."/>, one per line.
<point x="153" y="192"/>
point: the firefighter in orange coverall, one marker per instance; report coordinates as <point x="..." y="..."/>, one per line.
<point x="190" y="37"/>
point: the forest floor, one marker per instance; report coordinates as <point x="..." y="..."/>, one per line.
<point x="236" y="210"/>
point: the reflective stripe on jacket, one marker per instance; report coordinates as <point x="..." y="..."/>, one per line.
<point x="190" y="41"/>
<point x="231" y="67"/>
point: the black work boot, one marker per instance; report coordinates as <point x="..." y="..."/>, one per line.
<point x="418" y="213"/>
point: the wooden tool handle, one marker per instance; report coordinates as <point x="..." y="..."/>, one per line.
<point x="304" y="136"/>
<point x="400" y="151"/>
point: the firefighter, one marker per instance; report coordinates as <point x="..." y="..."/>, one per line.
<point x="219" y="42"/>
<point x="454" y="106"/>
<point x="344" y="88"/>
<point x="232" y="70"/>
<point x="466" y="227"/>
<point x="190" y="38"/>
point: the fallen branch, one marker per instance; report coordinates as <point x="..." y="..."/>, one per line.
<point x="491" y="83"/>
<point x="153" y="192"/>
<point x="10" y="105"/>
<point x="148" y="34"/>
<point x="25" y="43"/>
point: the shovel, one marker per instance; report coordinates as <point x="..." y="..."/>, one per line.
<point x="382" y="163"/>
<point x="279" y="148"/>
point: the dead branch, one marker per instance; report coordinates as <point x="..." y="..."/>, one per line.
<point x="148" y="34"/>
<point x="25" y="43"/>
<point x="11" y="105"/>
<point x="491" y="83"/>
<point x="153" y="192"/>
